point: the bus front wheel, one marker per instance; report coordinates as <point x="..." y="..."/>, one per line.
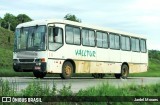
<point x="67" y="70"/>
<point x="39" y="74"/>
<point x="124" y="72"/>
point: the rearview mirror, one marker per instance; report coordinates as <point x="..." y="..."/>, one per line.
<point x="21" y="31"/>
<point x="55" y="31"/>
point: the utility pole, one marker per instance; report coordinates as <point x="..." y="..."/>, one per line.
<point x="0" y="22"/>
<point x="9" y="26"/>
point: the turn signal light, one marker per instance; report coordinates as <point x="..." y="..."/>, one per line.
<point x="42" y="59"/>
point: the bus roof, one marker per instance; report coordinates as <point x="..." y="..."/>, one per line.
<point x="48" y="21"/>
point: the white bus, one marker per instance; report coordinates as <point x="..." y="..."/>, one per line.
<point x="67" y="47"/>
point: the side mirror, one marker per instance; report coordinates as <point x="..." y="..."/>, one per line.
<point x="55" y="31"/>
<point x="21" y="31"/>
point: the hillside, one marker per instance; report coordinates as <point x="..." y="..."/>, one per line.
<point x="6" y="47"/>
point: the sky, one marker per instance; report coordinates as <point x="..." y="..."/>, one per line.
<point x="135" y="16"/>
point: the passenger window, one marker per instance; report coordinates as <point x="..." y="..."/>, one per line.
<point x="143" y="45"/>
<point x="102" y="40"/>
<point x="55" y="36"/>
<point x="125" y="43"/>
<point x="88" y="37"/>
<point x="135" y="44"/>
<point x="114" y="41"/>
<point x="72" y="35"/>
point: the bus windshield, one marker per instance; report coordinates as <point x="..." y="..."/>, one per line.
<point x="30" y="38"/>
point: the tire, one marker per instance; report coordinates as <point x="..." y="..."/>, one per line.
<point x="67" y="70"/>
<point x="124" y="72"/>
<point x="39" y="74"/>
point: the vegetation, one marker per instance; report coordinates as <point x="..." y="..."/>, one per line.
<point x="154" y="54"/>
<point x="93" y="94"/>
<point x="6" y="47"/>
<point x="10" y="21"/>
<point x="72" y="18"/>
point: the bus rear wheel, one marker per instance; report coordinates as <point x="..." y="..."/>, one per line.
<point x="124" y="72"/>
<point x="67" y="70"/>
<point x="39" y="74"/>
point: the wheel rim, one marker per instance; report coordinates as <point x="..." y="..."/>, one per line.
<point x="68" y="70"/>
<point x="124" y="71"/>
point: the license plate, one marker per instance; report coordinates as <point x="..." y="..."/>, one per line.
<point x="37" y="68"/>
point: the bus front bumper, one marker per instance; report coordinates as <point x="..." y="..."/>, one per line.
<point x="29" y="67"/>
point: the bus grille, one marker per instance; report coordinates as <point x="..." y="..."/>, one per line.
<point x="26" y="60"/>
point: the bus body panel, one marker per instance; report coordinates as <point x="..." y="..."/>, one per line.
<point x="27" y="60"/>
<point x="87" y="59"/>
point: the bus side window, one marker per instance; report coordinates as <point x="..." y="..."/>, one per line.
<point x="143" y="45"/>
<point x="135" y="44"/>
<point x="55" y="38"/>
<point x="88" y="37"/>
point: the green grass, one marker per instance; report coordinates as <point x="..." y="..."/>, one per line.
<point x="36" y="89"/>
<point x="9" y="72"/>
<point x="5" y="57"/>
<point x="153" y="71"/>
<point x="6" y="47"/>
<point x="131" y="90"/>
<point x="5" y="35"/>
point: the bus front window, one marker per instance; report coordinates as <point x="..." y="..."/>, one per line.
<point x="30" y="38"/>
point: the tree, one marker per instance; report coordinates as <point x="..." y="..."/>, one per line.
<point x="3" y="23"/>
<point x="9" y="22"/>
<point x="72" y="18"/>
<point x="154" y="54"/>
<point x="23" y="18"/>
<point x="0" y="21"/>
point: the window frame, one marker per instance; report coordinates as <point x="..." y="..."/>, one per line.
<point x="135" y="44"/>
<point x="115" y="34"/>
<point x="45" y="43"/>
<point x="73" y="37"/>
<point x="145" y="46"/>
<point x="88" y="36"/>
<point x="102" y="41"/>
<point x="125" y="42"/>
<point x="62" y="37"/>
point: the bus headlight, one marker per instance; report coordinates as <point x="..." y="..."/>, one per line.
<point x="42" y="59"/>
<point x="15" y="60"/>
<point x="38" y="62"/>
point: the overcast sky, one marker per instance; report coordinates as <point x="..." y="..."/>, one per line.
<point x="136" y="16"/>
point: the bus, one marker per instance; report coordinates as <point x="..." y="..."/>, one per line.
<point x="65" y="47"/>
